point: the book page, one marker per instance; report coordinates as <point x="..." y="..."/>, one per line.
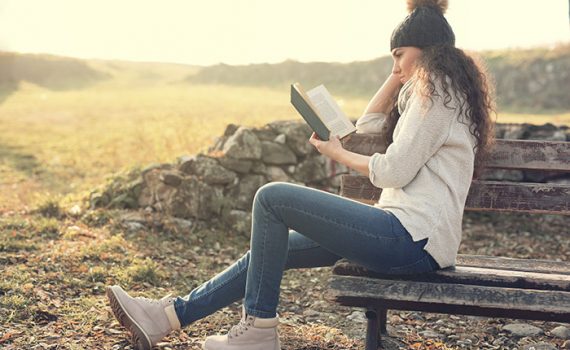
<point x="333" y="117"/>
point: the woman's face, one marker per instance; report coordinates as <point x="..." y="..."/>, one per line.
<point x="405" y="58"/>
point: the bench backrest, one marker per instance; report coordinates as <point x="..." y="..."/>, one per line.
<point x="547" y="198"/>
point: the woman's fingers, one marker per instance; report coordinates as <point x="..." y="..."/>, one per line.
<point x="314" y="139"/>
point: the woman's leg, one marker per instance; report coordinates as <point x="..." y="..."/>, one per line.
<point x="362" y="233"/>
<point x="229" y="285"/>
<point x="331" y="226"/>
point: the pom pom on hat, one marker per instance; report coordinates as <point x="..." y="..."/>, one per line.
<point x="441" y="4"/>
<point x="425" y="26"/>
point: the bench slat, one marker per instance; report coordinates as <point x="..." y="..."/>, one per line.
<point x="507" y="154"/>
<point x="484" y="261"/>
<point x="527" y="265"/>
<point x="469" y="275"/>
<point x="483" y="195"/>
<point x="450" y="298"/>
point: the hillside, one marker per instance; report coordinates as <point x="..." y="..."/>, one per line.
<point x="530" y="80"/>
<point x="67" y="73"/>
<point x="52" y="72"/>
<point x="526" y="80"/>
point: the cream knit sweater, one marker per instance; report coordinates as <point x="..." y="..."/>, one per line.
<point x="426" y="172"/>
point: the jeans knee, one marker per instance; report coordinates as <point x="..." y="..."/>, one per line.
<point x="268" y="191"/>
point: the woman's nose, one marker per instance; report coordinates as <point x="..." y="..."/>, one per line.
<point x="395" y="69"/>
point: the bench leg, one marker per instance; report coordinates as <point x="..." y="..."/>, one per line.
<point x="376" y="327"/>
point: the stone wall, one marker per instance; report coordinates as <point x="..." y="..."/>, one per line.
<point x="219" y="185"/>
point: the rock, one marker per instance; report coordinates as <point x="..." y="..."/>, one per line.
<point x="134" y="221"/>
<point x="277" y="154"/>
<point x="243" y="144"/>
<point x="357" y="316"/>
<point x="171" y="178"/>
<point x="265" y="133"/>
<point x="281" y="139"/>
<point x="155" y="192"/>
<point x="275" y="173"/>
<point x="208" y="170"/>
<point x="217" y="148"/>
<point x="181" y="223"/>
<point x="297" y="136"/>
<point x="566" y="345"/>
<point x="133" y="216"/>
<point x="75" y="210"/>
<point x="243" y="192"/>
<point x="241" y="166"/>
<point x="312" y="169"/>
<point x="98" y="200"/>
<point x="539" y="346"/>
<point x="219" y="142"/>
<point x="183" y="158"/>
<point x="395" y="319"/>
<point x="513" y="131"/>
<point x="431" y="335"/>
<point x="240" y="221"/>
<point x="156" y="166"/>
<point x="416" y="316"/>
<point x="310" y="313"/>
<point x="133" y="226"/>
<point x="547" y="131"/>
<point x="231" y="129"/>
<point x="258" y="168"/>
<point x="522" y="329"/>
<point x="561" y="332"/>
<point x="195" y="199"/>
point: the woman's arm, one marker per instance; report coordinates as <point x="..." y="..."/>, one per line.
<point x="383" y="100"/>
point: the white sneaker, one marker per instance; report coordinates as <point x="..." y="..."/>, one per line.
<point x="148" y="320"/>
<point x="251" y="333"/>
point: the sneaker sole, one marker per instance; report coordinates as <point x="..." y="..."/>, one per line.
<point x="139" y="339"/>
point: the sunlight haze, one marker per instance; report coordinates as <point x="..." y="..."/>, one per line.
<point x="256" y="31"/>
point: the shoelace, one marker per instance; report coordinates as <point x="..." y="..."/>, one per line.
<point x="240" y="328"/>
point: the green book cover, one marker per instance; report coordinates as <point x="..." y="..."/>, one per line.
<point x="308" y="113"/>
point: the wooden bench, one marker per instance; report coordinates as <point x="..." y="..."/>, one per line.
<point x="477" y="285"/>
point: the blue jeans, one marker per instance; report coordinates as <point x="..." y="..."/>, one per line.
<point x="298" y="227"/>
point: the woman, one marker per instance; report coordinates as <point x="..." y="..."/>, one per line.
<point x="436" y="108"/>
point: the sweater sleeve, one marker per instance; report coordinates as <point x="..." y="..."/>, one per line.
<point x="371" y="123"/>
<point x="425" y="127"/>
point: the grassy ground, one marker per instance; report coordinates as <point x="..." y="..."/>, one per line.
<point x="68" y="141"/>
<point x="55" y="269"/>
<point x="65" y="142"/>
<point x="55" y="266"/>
<point x="55" y="146"/>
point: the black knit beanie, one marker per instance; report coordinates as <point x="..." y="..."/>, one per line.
<point x="424" y="26"/>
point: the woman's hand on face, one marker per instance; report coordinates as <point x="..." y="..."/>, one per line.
<point x="330" y="148"/>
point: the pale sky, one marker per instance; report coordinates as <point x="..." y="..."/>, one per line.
<point x="206" y="32"/>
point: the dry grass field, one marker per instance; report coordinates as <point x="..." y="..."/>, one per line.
<point x="57" y="145"/>
<point x="61" y="142"/>
<point x="56" y="142"/>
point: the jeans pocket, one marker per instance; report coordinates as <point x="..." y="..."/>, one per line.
<point x="422" y="265"/>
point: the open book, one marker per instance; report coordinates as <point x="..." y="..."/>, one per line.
<point x="321" y="111"/>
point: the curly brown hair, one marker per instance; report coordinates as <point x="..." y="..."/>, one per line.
<point x="469" y="83"/>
